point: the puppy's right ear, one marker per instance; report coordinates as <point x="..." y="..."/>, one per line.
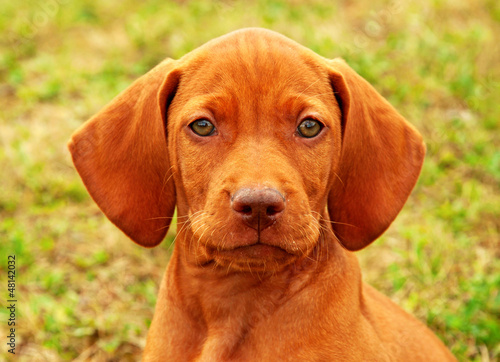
<point x="121" y="155"/>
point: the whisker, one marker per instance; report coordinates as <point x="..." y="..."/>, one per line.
<point x="323" y="232"/>
<point x="196" y="218"/>
<point x="309" y="86"/>
<point x="340" y="223"/>
<point x="229" y="267"/>
<point x="179" y="232"/>
<point x="221" y="244"/>
<point x="249" y="268"/>
<point x="303" y="235"/>
<point x="201" y="237"/>
<point x="342" y="182"/>
<point x="214" y="228"/>
<point x="165" y="182"/>
<point x="165" y="217"/>
<point x="319" y="94"/>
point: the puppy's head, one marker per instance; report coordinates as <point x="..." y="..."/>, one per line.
<point x="263" y="146"/>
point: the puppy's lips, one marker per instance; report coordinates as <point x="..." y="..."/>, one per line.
<point x="257" y="251"/>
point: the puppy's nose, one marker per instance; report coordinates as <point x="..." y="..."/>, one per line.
<point x="258" y="208"/>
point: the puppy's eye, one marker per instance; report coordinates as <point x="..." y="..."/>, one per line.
<point x="202" y="127"/>
<point x="309" y="128"/>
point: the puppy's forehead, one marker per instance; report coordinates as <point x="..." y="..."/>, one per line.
<point x="257" y="59"/>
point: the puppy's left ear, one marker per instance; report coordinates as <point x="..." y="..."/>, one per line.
<point x="381" y="158"/>
<point x="122" y="157"/>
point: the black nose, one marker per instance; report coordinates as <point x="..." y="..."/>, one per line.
<point x="258" y="208"/>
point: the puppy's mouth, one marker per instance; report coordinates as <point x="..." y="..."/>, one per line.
<point x="257" y="251"/>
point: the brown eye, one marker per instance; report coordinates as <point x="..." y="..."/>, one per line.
<point x="309" y="128"/>
<point x="202" y="127"/>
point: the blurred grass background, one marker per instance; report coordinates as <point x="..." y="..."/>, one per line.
<point x="86" y="293"/>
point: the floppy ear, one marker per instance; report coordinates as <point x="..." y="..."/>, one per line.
<point x="122" y="157"/>
<point x="382" y="155"/>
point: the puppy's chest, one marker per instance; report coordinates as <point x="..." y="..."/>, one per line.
<point x="239" y="340"/>
<point x="236" y="328"/>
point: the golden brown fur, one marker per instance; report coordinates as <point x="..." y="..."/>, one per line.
<point x="237" y="289"/>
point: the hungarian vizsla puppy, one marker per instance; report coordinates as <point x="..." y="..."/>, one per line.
<point x="281" y="163"/>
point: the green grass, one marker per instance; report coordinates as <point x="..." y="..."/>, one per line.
<point x="84" y="290"/>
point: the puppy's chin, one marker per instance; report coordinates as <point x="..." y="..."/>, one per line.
<point x="253" y="258"/>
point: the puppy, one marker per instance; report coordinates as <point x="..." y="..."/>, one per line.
<point x="281" y="163"/>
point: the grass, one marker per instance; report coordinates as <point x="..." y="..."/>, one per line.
<point x="85" y="292"/>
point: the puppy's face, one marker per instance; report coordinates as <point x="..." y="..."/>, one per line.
<point x="258" y="121"/>
<point x="265" y="139"/>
